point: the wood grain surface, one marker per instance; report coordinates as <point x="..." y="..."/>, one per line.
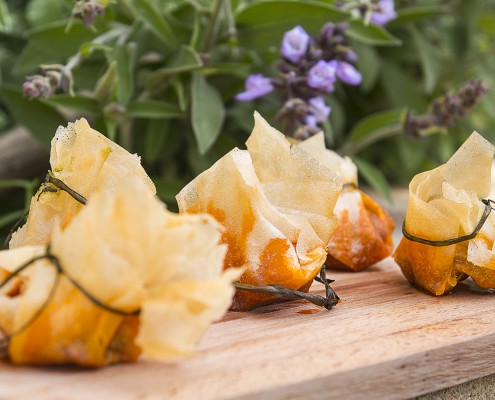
<point x="386" y="340"/>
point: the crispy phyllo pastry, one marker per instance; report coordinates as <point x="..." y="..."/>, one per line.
<point x="276" y="203"/>
<point x="364" y="235"/>
<point x="84" y="160"/>
<point x="449" y="231"/>
<point x="125" y="277"/>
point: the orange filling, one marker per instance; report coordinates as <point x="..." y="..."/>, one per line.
<point x="439" y="269"/>
<point x="275" y="265"/>
<point x="357" y="245"/>
<point x="73" y="330"/>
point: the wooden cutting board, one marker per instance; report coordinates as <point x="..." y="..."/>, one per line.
<point x="386" y="340"/>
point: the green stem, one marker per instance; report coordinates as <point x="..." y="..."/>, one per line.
<point x="29" y="192"/>
<point x="352" y="148"/>
<point x="14" y="183"/>
<point x="125" y="130"/>
<point x="128" y="8"/>
<point x="196" y="30"/>
<point x="327" y="127"/>
<point x="229" y="14"/>
<point x="75" y="60"/>
<point x="211" y="33"/>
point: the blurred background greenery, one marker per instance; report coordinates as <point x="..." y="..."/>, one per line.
<point x="159" y="77"/>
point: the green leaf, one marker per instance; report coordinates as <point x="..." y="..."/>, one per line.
<point x="14" y="183"/>
<point x="4" y="119"/>
<point x="5" y="20"/>
<point x="86" y="49"/>
<point x="12" y="41"/>
<point x="374" y="177"/>
<point x="431" y="59"/>
<point x="156" y="137"/>
<point x="240" y="70"/>
<point x="446" y="146"/>
<point x="56" y="38"/>
<point x="401" y="88"/>
<point x="487" y="24"/>
<point x="222" y="146"/>
<point x="417" y="14"/>
<point x="168" y="189"/>
<point x="368" y="63"/>
<point x="79" y="103"/>
<point x="371" y="34"/>
<point x="336" y="119"/>
<point x="31" y="57"/>
<point x="155" y="21"/>
<point x="111" y="127"/>
<point x="51" y="44"/>
<point x="153" y="109"/>
<point x="411" y="152"/>
<point x="10" y="218"/>
<point x="185" y="59"/>
<point x="182" y="94"/>
<point x="124" y="58"/>
<point x="262" y="24"/>
<point x="106" y="83"/>
<point x="207" y="113"/>
<point x="40" y="119"/>
<point x="86" y="75"/>
<point x="369" y="125"/>
<point x="43" y="12"/>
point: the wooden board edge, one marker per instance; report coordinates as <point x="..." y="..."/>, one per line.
<point x="415" y="375"/>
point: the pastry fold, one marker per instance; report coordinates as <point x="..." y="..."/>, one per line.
<point x="122" y="253"/>
<point x="445" y="203"/>
<point x="276" y="203"/>
<point x="124" y="276"/>
<point x="364" y="235"/>
<point x="86" y="161"/>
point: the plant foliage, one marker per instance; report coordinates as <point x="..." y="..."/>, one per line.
<point x="160" y="77"/>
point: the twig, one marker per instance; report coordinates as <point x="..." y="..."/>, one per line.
<point x="460" y="239"/>
<point x="327" y="302"/>
<point x="5" y="340"/>
<point x="86" y="293"/>
<point x="62" y="186"/>
<point x="14" y="228"/>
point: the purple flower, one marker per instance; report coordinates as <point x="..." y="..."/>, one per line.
<point x="322" y="75"/>
<point x="311" y="120"/>
<point x="295" y="44"/>
<point x="318" y="109"/>
<point x="87" y="10"/>
<point x="385" y="13"/>
<point x="327" y="32"/>
<point x="37" y="86"/>
<point x="256" y="85"/>
<point x="347" y="73"/>
<point x="351" y="56"/>
<point x="30" y="90"/>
